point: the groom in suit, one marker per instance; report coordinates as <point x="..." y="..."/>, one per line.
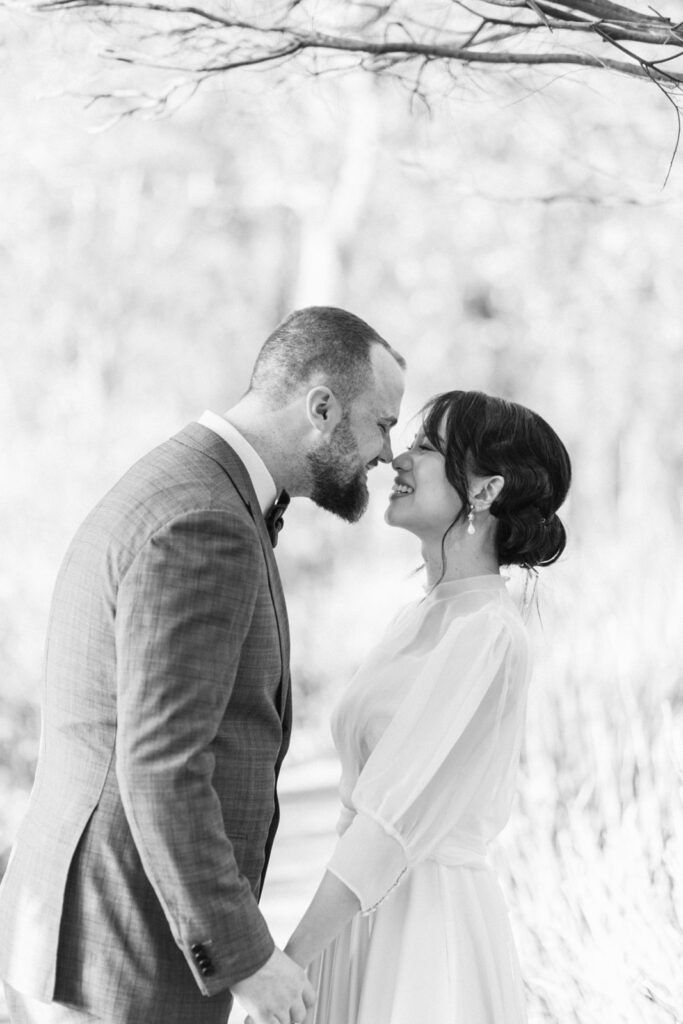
<point x="131" y="896"/>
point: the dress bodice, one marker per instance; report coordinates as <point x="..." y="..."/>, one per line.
<point x="430" y="728"/>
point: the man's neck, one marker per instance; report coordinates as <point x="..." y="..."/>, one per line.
<point x="271" y="434"/>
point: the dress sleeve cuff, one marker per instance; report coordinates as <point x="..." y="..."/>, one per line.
<point x="369" y="861"/>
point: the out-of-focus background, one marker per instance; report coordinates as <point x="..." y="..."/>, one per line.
<point x="513" y="238"/>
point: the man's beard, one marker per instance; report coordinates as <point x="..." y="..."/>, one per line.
<point x="339" y="483"/>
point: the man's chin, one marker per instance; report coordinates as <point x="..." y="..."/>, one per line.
<point x="349" y="504"/>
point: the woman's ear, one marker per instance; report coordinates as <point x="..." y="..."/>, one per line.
<point x="484" y="490"/>
<point x="323" y="409"/>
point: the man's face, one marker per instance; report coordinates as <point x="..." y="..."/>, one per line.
<point x="359" y="441"/>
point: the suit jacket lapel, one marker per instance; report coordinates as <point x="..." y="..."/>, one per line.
<point x="210" y="444"/>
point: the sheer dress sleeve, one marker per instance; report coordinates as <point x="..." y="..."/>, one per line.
<point x="436" y="755"/>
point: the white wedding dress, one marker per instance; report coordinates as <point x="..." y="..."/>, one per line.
<point x="429" y="734"/>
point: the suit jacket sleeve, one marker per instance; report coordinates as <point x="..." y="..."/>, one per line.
<point x="183" y="609"/>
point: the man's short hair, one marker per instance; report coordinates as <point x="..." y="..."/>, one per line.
<point x="317" y="341"/>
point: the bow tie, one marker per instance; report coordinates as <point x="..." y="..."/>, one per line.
<point x="274" y="518"/>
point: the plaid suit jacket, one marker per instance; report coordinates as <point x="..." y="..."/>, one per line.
<point x="132" y="887"/>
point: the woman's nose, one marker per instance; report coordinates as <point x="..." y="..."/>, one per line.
<point x="402" y="461"/>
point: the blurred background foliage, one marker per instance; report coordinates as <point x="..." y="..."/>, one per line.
<point x="513" y="238"/>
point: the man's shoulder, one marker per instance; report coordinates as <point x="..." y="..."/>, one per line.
<point x="171" y="481"/>
<point x="180" y="475"/>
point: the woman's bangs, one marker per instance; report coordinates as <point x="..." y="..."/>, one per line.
<point x="433" y="420"/>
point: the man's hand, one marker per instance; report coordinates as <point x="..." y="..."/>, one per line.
<point x="278" y="991"/>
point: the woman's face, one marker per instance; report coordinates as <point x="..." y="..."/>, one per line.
<point x="422" y="500"/>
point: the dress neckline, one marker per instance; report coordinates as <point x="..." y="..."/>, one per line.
<point x="452" y="588"/>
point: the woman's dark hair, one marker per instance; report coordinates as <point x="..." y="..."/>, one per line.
<point x="490" y="436"/>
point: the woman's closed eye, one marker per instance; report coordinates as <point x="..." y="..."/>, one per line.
<point x="420" y="444"/>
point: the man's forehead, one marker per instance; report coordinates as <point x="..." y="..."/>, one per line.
<point x="389" y="382"/>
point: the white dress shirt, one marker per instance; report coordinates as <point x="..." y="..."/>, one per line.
<point x="262" y="481"/>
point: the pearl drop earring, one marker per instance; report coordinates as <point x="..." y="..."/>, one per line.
<point x="470" y="521"/>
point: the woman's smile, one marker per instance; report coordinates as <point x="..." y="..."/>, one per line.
<point x="400" y="490"/>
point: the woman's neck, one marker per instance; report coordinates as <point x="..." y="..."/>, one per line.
<point x="464" y="558"/>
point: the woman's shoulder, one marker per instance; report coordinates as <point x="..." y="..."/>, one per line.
<point x="454" y="609"/>
<point x="488" y="612"/>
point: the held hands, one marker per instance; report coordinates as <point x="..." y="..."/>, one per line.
<point x="278" y="992"/>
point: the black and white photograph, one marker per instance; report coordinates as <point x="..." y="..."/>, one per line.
<point x="341" y="586"/>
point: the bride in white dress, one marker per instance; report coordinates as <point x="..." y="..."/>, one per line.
<point x="408" y="924"/>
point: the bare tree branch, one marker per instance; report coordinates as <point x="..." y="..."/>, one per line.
<point x="216" y="37"/>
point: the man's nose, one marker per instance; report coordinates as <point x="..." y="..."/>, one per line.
<point x="386" y="455"/>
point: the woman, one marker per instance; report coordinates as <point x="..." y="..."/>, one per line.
<point x="408" y="924"/>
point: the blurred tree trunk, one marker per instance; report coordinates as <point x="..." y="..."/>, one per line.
<point x="330" y="216"/>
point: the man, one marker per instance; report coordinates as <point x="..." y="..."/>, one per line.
<point x="131" y="894"/>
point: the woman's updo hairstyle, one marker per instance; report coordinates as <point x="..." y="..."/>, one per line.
<point x="487" y="436"/>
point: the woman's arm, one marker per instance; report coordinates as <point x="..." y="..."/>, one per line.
<point x="332" y="906"/>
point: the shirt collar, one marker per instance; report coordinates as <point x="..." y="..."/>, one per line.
<point x="263" y="483"/>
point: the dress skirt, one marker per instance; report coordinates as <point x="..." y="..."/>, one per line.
<point x="438" y="949"/>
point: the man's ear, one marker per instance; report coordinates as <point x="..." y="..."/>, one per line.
<point x="484" y="490"/>
<point x="323" y="409"/>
